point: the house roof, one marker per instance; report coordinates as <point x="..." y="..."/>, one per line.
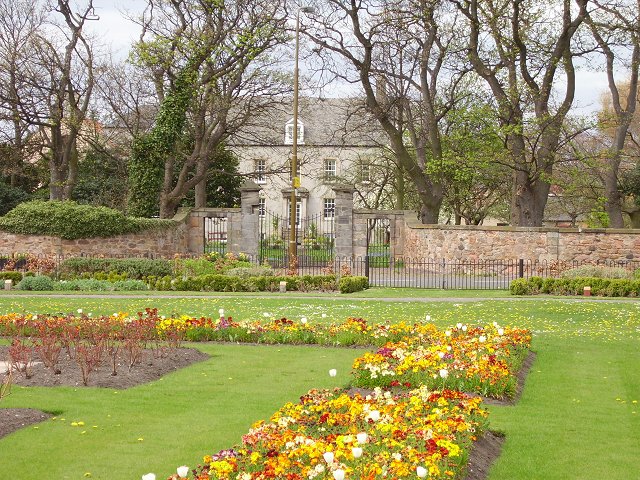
<point x="327" y="122"/>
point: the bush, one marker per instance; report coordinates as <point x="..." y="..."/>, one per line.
<point x="37" y="283"/>
<point x="596" y="271"/>
<point x="209" y="264"/>
<point x="15" y="276"/>
<point x="229" y="283"/>
<point x="114" y="269"/>
<point x="10" y="197"/>
<point x="70" y="221"/>
<point x="353" y="284"/>
<point x="245" y="272"/>
<point x="606" y="287"/>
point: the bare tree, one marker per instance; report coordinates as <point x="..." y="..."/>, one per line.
<point x="525" y="52"/>
<point x="616" y="29"/>
<point x="226" y="46"/>
<point x="403" y="55"/>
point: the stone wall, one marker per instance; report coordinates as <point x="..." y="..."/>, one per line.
<point x="164" y="242"/>
<point x="505" y="243"/>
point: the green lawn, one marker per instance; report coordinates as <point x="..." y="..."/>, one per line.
<point x="578" y="417"/>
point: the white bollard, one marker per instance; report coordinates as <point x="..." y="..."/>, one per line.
<point x="8" y="284"/>
<point x="283" y="286"/>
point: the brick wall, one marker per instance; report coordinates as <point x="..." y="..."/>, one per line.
<point x="497" y="243"/>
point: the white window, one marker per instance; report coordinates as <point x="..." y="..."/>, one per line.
<point x="288" y="133"/>
<point x="365" y="173"/>
<point x="330" y="168"/>
<point x="260" y="169"/>
<point x="262" y="207"/>
<point x="298" y="210"/>
<point x="329" y="207"/>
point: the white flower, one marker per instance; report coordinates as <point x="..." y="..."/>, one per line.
<point x="397" y="456"/>
<point x="421" y="472"/>
<point x="459" y="325"/>
<point x="183" y="471"/>
<point x="482" y="339"/>
<point x="221" y="312"/>
<point x="266" y="314"/>
<point x="149" y="476"/>
<point x="448" y="348"/>
<point x="428" y="318"/>
<point x="338" y="474"/>
<point x="444" y="373"/>
<point x="324" y="315"/>
<point x="464" y="328"/>
<point x="441" y="354"/>
<point x="328" y="457"/>
<point x="362" y="437"/>
<point x="374" y="415"/>
<point x="447" y="333"/>
<point x="80" y="311"/>
<point x="357" y="452"/>
<point x="333" y="372"/>
<point x="501" y="331"/>
<point x="303" y="320"/>
<point x="319" y="468"/>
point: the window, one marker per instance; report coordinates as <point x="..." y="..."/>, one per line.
<point x="260" y="168"/>
<point x="329" y="207"/>
<point x="288" y="133"/>
<point x="365" y="173"/>
<point x="298" y="211"/>
<point x="329" y="169"/>
<point x="262" y="207"/>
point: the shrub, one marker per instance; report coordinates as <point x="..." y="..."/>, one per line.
<point x="209" y="264"/>
<point x="353" y="284"/>
<point x="596" y="271"/>
<point x="15" y="276"/>
<point x="71" y="221"/>
<point x="114" y="269"/>
<point x="244" y="272"/>
<point x="520" y="287"/>
<point x="37" y="283"/>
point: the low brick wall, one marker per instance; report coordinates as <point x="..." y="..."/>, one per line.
<point x="503" y="243"/>
<point x="164" y="242"/>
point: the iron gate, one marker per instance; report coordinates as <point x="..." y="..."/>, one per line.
<point x="215" y="235"/>
<point x="315" y="239"/>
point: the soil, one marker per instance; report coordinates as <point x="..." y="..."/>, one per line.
<point x="483" y="454"/>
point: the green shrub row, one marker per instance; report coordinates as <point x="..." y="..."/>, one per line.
<point x="45" y="283"/>
<point x="226" y="283"/>
<point x="597" y="271"/>
<point x="70" y="221"/>
<point x="15" y="276"/>
<point x="353" y="284"/>
<point x="101" y="268"/>
<point x="603" y="287"/>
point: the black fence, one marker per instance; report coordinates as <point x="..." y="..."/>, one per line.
<point x="385" y="271"/>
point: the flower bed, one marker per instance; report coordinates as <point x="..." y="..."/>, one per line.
<point x="334" y="435"/>
<point x="404" y="432"/>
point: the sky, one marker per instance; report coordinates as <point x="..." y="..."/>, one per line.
<point x="118" y="33"/>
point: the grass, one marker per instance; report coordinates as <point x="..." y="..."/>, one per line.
<point x="576" y="419"/>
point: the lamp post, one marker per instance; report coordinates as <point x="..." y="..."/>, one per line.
<point x="295" y="180"/>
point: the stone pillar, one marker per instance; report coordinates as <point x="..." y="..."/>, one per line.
<point x="344" y="220"/>
<point x="244" y="229"/>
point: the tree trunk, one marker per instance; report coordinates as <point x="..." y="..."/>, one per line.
<point x="529" y="201"/>
<point x="613" y="204"/>
<point x="201" y="194"/>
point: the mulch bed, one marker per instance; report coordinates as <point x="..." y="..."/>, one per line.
<point x="485" y="451"/>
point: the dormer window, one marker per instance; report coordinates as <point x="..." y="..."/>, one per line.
<point x="288" y="133"/>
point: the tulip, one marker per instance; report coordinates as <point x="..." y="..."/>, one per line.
<point x="482" y="339"/>
<point x="464" y="328"/>
<point x="149" y="476"/>
<point x="428" y="318"/>
<point x="80" y="311"/>
<point x="500" y="331"/>
<point x="333" y="372"/>
<point x="459" y="325"/>
<point x="183" y="471"/>
<point x="421" y="472"/>
<point x="447" y="333"/>
<point x="328" y="457"/>
<point x="374" y="415"/>
<point x="338" y="474"/>
<point x="357" y="452"/>
<point x="361" y="437"/>
<point x="221" y="312"/>
<point x="444" y="373"/>
<point x="303" y="320"/>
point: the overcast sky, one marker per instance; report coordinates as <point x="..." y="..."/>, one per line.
<point x="118" y="32"/>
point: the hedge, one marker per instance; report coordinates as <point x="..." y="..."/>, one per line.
<point x="15" y="276"/>
<point x="353" y="284"/>
<point x="70" y="221"/>
<point x="226" y="283"/>
<point x="131" y="268"/>
<point x="603" y="287"/>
